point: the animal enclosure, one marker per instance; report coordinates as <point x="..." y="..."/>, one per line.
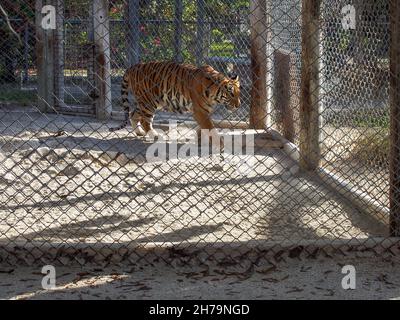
<point x="318" y="162"/>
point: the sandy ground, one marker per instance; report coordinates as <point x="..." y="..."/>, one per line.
<point x="376" y="278"/>
<point x="66" y="179"/>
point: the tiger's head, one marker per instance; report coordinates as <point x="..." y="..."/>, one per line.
<point x="222" y="89"/>
<point x="231" y="92"/>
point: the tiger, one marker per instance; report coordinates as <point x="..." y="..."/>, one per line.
<point x="178" y="88"/>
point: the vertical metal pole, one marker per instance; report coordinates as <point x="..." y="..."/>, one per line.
<point x="45" y="61"/>
<point x="40" y="56"/>
<point x="102" y="58"/>
<point x="310" y="153"/>
<point x="91" y="52"/>
<point x="133" y="31"/>
<point x="282" y="65"/>
<point x="259" y="64"/>
<point x="395" y="118"/>
<point x="59" y="55"/>
<point x="200" y="5"/>
<point x="178" y="31"/>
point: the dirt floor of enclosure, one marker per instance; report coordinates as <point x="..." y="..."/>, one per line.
<point x="67" y="179"/>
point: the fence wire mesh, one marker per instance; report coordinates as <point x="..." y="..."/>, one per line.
<point x="68" y="185"/>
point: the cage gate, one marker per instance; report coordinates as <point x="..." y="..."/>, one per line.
<point x="311" y="156"/>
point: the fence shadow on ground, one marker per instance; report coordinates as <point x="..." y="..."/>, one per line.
<point x="286" y="206"/>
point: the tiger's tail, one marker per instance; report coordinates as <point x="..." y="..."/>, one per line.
<point x="125" y="101"/>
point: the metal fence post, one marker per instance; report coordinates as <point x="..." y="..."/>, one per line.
<point x="259" y="64"/>
<point x="282" y="88"/>
<point x="395" y="118"/>
<point x="310" y="152"/>
<point x="200" y="31"/>
<point x="102" y="58"/>
<point x="178" y="31"/>
<point x="133" y="30"/>
<point x="45" y="61"/>
<point x="59" y="55"/>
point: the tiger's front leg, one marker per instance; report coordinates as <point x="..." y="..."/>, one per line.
<point x="207" y="128"/>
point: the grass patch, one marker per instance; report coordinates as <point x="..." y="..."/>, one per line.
<point x="378" y="119"/>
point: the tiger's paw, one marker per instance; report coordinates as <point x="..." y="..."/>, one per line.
<point x="139" y="131"/>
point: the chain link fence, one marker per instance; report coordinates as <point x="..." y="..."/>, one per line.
<point x="317" y="168"/>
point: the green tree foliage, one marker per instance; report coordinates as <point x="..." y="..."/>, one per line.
<point x="222" y="31"/>
<point x="223" y="19"/>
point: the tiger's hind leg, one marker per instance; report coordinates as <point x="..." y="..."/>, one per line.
<point x="135" y="119"/>
<point x="142" y="120"/>
<point x="147" y="123"/>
